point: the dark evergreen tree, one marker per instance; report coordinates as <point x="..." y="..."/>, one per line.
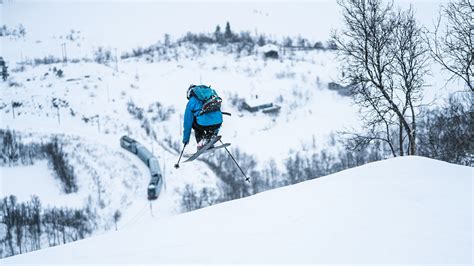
<point x="228" y="32"/>
<point x="218" y="34"/>
<point x="261" y="40"/>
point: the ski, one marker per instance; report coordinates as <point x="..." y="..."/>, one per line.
<point x="216" y="148"/>
<point x="211" y="142"/>
<point x="187" y="155"/>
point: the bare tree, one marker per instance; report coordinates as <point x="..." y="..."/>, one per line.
<point x="10" y="149"/>
<point x="451" y="43"/>
<point x="117" y="216"/>
<point x="384" y="61"/>
<point x="446" y="132"/>
<point x="411" y="65"/>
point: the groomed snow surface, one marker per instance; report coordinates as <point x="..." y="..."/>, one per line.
<point x="18" y="181"/>
<point x="401" y="210"/>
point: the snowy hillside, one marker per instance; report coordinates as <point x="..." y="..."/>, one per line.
<point x="93" y="72"/>
<point x="92" y="104"/>
<point x="146" y="101"/>
<point x="402" y="210"/>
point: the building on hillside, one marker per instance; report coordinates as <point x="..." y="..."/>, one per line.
<point x="265" y="107"/>
<point x="340" y="89"/>
<point x="269" y="51"/>
<point x="271" y="54"/>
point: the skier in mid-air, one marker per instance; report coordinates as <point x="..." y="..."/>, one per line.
<point x="202" y="114"/>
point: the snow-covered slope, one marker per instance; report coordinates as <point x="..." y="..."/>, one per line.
<point x="98" y="96"/>
<point x="306" y="106"/>
<point x="402" y="210"/>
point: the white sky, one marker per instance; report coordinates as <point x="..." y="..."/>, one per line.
<point x="132" y="19"/>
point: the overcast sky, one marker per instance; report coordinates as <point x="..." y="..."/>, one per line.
<point x="126" y="23"/>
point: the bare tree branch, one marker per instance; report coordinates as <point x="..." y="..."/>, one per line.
<point x="385" y="60"/>
<point x="452" y="47"/>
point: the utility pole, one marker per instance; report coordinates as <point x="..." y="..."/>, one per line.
<point x="59" y="119"/>
<point x="64" y="53"/>
<point x="13" y="110"/>
<point x="116" y="61"/>
<point x="108" y="94"/>
<point x="58" y="103"/>
<point x="98" y="122"/>
<point x="22" y="62"/>
<point x="15" y="105"/>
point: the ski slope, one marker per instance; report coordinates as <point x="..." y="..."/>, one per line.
<point x="310" y="112"/>
<point x="401" y="210"/>
<point x="106" y="173"/>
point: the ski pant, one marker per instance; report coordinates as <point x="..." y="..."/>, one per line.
<point x="201" y="132"/>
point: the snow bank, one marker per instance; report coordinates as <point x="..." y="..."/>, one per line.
<point x="402" y="210"/>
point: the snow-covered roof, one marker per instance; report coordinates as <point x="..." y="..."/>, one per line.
<point x="268" y="47"/>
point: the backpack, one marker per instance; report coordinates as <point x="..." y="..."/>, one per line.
<point x="211" y="102"/>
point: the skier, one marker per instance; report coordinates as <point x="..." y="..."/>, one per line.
<point x="201" y="115"/>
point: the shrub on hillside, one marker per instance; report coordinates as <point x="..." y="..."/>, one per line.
<point x="61" y="166"/>
<point x="102" y="55"/>
<point x="446" y="133"/>
<point x="29" y="226"/>
<point x="192" y="200"/>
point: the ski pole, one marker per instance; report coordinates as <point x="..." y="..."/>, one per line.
<point x="246" y="178"/>
<point x="177" y="164"/>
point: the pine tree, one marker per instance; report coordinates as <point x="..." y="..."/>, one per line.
<point x="228" y="32"/>
<point x="261" y="40"/>
<point x="218" y="34"/>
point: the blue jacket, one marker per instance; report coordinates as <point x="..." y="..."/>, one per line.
<point x="192" y="112"/>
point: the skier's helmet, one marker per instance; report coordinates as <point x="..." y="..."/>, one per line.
<point x="189" y="93"/>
